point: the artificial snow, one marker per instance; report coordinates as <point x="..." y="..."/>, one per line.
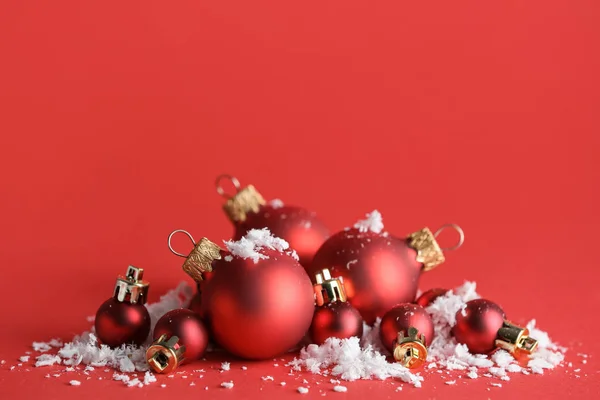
<point x="225" y="366"/>
<point x="350" y="359"/>
<point x="227" y="385"/>
<point x="75" y="383"/>
<point x="340" y="389"/>
<point x="41" y="346"/>
<point x="373" y="223"/>
<point x="24" y="358"/>
<point x="302" y="390"/>
<point x="256" y="240"/>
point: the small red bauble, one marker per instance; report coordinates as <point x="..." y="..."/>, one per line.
<point x="188" y="327"/>
<point x="379" y="270"/>
<point x="123" y="319"/>
<point x="259" y="301"/>
<point x="400" y="319"/>
<point x="482" y="328"/>
<point x="429" y="296"/>
<point x="334" y="316"/>
<point x="301" y="228"/>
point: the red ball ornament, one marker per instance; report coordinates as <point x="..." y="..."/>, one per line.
<point x="259" y="301"/>
<point x="301" y="228"/>
<point x="482" y="327"/>
<point x="379" y="270"/>
<point x="334" y="316"/>
<point x="123" y="319"/>
<point x="400" y="319"/>
<point x="189" y="329"/>
<point x="429" y="296"/>
<point x="196" y="302"/>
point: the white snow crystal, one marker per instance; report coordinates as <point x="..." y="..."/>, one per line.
<point x="47" y="359"/>
<point x="472" y="374"/>
<point x="225" y="366"/>
<point x="75" y="383"/>
<point x="276" y="203"/>
<point x="450" y="382"/>
<point x="340" y="389"/>
<point x="227" y="385"/>
<point x="502" y="358"/>
<point x="267" y="378"/>
<point x="149" y="378"/>
<point x="282" y="383"/>
<point x="24" y="358"/>
<point x="373" y="223"/>
<point x="256" y="240"/>
<point x="41" y="346"/>
<point x="496" y="384"/>
<point x="302" y="390"/>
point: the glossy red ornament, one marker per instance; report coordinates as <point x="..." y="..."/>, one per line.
<point x="188" y="327"/>
<point x="338" y="319"/>
<point x="258" y="310"/>
<point x="334" y="316"/>
<point x="195" y="303"/>
<point x="428" y="297"/>
<point x="301" y="228"/>
<point x="123" y="319"/>
<point x="402" y="317"/>
<point x="478" y="324"/>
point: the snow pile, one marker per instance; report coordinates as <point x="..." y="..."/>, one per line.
<point x="256" y="240"/>
<point x="373" y="223"/>
<point x="85" y="349"/>
<point x="348" y="360"/>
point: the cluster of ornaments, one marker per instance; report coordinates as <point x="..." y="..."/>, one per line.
<point x="284" y="280"/>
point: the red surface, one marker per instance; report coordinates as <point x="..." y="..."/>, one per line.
<point x="115" y="117"/>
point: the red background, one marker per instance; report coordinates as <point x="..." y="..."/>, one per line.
<point x="115" y="118"/>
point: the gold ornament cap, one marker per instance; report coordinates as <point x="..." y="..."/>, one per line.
<point x="131" y="288"/>
<point x="328" y="289"/>
<point x="429" y="252"/>
<point x="515" y="339"/>
<point x="243" y="202"/>
<point x="411" y="350"/>
<point x="165" y="355"/>
<point x="200" y="259"/>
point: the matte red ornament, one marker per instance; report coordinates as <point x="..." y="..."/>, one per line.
<point x="483" y="328"/>
<point x="400" y="319"/>
<point x="379" y="270"/>
<point x="429" y="296"/>
<point x="123" y="319"/>
<point x="258" y="310"/>
<point x="188" y="327"/>
<point x="301" y="228"/>
<point x="334" y="316"/>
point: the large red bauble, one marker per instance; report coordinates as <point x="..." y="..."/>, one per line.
<point x="338" y="319"/>
<point x="188" y="327"/>
<point x="120" y="323"/>
<point x="301" y="228"/>
<point x="478" y="324"/>
<point x="429" y="296"/>
<point x="258" y="310"/>
<point x="402" y="317"/>
<point x="378" y="271"/>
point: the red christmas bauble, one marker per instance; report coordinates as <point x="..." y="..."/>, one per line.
<point x="299" y="227"/>
<point x="379" y="271"/>
<point x="429" y="296"/>
<point x="402" y="317"/>
<point x="188" y="327"/>
<point x="338" y="319"/>
<point x="195" y="303"/>
<point x="120" y="323"/>
<point x="258" y="310"/>
<point x="478" y="324"/>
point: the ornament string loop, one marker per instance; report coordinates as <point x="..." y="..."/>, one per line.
<point x="458" y="229"/>
<point x="232" y="179"/>
<point x="189" y="235"/>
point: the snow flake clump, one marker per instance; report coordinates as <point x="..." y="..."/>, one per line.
<point x="227" y="385"/>
<point x="256" y="240"/>
<point x="373" y="223"/>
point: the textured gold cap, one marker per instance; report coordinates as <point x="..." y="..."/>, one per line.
<point x="243" y="202"/>
<point x="200" y="259"/>
<point x="410" y="350"/>
<point x="515" y="339"/>
<point x="328" y="289"/>
<point x="164" y="355"/>
<point x="131" y="287"/>
<point x="428" y="250"/>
